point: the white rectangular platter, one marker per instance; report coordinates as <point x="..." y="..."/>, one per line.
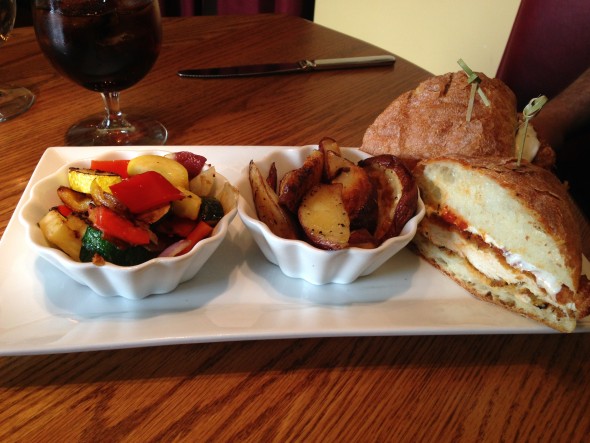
<point x="238" y="295"/>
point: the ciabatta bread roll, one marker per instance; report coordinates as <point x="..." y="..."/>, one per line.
<point x="507" y="234"/>
<point x="430" y="121"/>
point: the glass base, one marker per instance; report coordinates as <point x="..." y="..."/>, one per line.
<point x="14" y="101"/>
<point x="138" y="131"/>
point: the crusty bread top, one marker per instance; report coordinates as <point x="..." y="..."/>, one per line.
<point x="525" y="208"/>
<point x="430" y="121"/>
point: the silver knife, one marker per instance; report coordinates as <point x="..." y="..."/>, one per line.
<point x="289" y="68"/>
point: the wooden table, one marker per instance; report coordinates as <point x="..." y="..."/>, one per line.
<point x="407" y="388"/>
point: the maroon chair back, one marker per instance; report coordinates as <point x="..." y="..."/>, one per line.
<point x="548" y="48"/>
<point x="301" y="8"/>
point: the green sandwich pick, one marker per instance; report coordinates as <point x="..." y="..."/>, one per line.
<point x="474" y="80"/>
<point x="528" y="113"/>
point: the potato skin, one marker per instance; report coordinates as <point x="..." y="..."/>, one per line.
<point x="397" y="194"/>
<point x="267" y="206"/>
<point x="272" y="178"/>
<point x="295" y="184"/>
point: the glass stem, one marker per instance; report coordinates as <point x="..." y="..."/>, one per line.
<point x="114" y="117"/>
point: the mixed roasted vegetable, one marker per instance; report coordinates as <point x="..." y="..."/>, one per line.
<point x="129" y="211"/>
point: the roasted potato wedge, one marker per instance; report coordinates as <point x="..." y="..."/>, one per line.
<point x="397" y="194"/>
<point x="295" y="184"/>
<point x="329" y="144"/>
<point x="272" y="178"/>
<point x="323" y="217"/>
<point x="326" y="146"/>
<point x="359" y="195"/>
<point x="359" y="192"/>
<point x="334" y="164"/>
<point x="268" y="209"/>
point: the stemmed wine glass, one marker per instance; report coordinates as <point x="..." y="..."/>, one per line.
<point x="14" y="100"/>
<point x="105" y="46"/>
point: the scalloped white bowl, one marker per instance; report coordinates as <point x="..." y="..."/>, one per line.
<point x="156" y="276"/>
<point x="299" y="259"/>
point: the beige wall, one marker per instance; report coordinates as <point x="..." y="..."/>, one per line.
<point x="433" y="34"/>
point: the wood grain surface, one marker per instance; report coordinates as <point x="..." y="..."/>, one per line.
<point x="406" y="389"/>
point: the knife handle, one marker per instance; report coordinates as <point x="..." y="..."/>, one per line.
<point x="353" y="62"/>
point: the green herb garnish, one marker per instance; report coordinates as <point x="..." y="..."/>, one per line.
<point x="528" y="113"/>
<point x="474" y="80"/>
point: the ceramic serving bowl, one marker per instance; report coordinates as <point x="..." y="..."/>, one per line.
<point x="299" y="259"/>
<point x="156" y="276"/>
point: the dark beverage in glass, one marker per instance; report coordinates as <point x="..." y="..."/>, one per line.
<point x="105" y="46"/>
<point x="7" y="16"/>
<point x="14" y="100"/>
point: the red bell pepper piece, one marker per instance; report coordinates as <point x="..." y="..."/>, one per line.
<point x="118" y="167"/>
<point x="115" y="226"/>
<point x="64" y="210"/>
<point x="145" y="191"/>
<point x="177" y="226"/>
<point x="201" y="231"/>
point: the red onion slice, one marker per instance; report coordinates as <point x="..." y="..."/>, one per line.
<point x="175" y="248"/>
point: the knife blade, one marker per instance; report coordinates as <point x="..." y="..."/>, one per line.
<point x="289" y="68"/>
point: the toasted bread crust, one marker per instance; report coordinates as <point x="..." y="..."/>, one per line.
<point x="430" y="121"/>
